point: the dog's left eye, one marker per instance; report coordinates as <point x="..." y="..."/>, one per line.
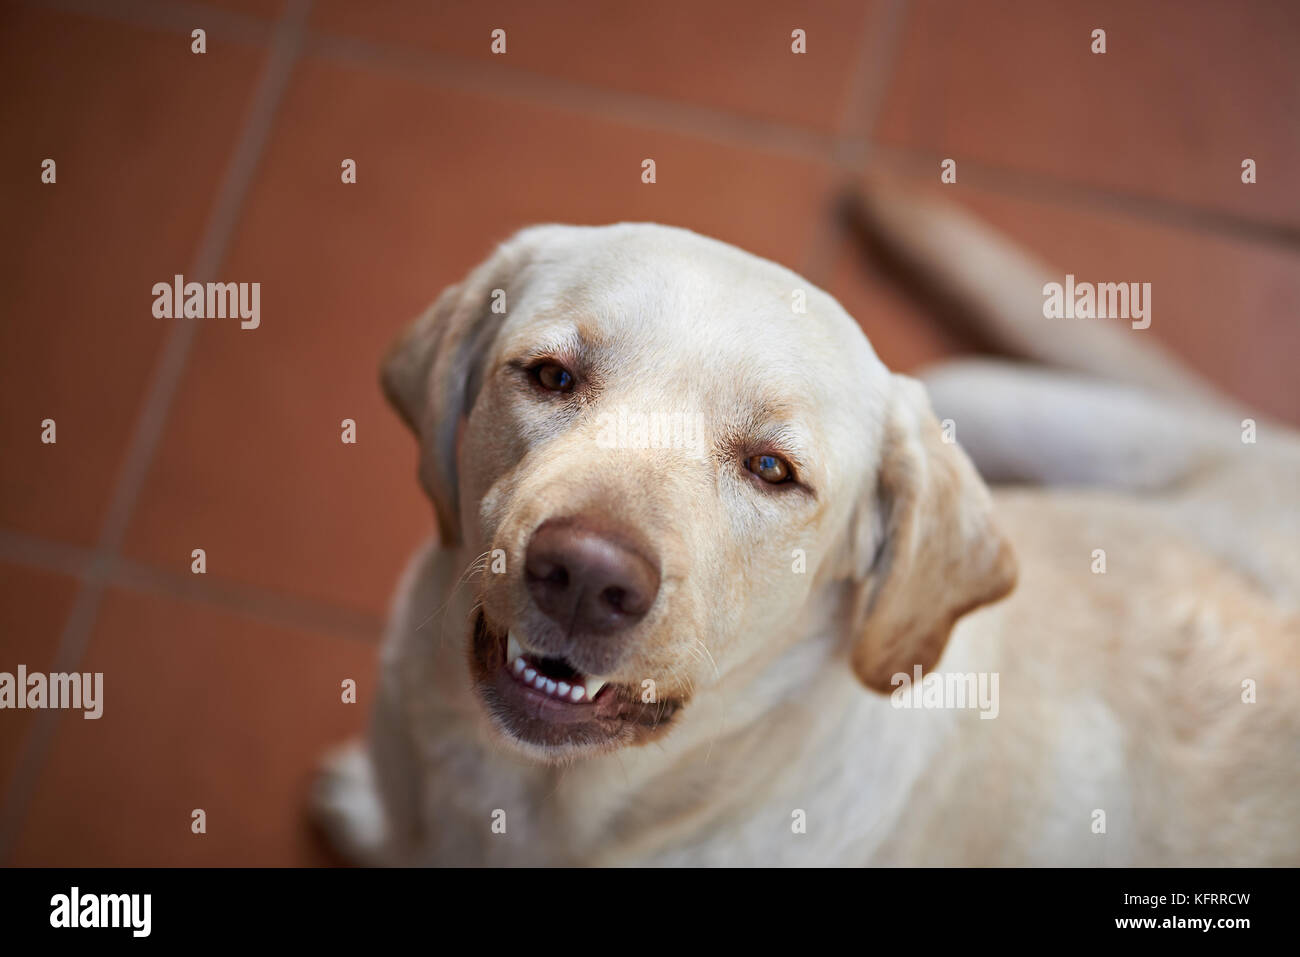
<point x="553" y="377"/>
<point x="770" y="468"/>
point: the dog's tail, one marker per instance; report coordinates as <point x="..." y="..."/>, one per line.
<point x="980" y="281"/>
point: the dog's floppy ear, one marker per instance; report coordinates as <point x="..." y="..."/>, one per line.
<point x="928" y="551"/>
<point x="433" y="372"/>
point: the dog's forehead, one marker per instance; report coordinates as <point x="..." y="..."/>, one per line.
<point x="679" y="321"/>
<point x="633" y="275"/>
<point x="667" y="293"/>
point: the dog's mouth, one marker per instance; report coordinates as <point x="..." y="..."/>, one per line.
<point x="553" y="677"/>
<point x="548" y="703"/>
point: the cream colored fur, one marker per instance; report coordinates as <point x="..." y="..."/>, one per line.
<point x="1119" y="692"/>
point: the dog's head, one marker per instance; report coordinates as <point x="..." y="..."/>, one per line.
<point x="658" y="449"/>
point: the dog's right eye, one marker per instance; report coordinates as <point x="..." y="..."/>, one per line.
<point x="772" y="469"/>
<point x="553" y="377"/>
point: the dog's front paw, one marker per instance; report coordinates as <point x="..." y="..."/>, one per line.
<point x="345" y="805"/>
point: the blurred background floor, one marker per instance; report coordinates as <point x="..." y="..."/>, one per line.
<point x="222" y="690"/>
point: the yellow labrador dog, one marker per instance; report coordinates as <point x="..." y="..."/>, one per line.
<point x="714" y="586"/>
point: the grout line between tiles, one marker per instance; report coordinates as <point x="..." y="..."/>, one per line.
<point x="28" y="551"/>
<point x="1058" y="192"/>
<point x="269" y="607"/>
<point x="501" y="81"/>
<point x="250" y="601"/>
<point x="289" y="33"/>
<point x="850" y="150"/>
<point x="873" y="73"/>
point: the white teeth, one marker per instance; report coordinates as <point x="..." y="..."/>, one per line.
<point x="549" y="686"/>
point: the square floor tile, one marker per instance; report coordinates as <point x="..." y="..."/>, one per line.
<point x="34" y="606"/>
<point x="1185" y="91"/>
<point x="140" y="130"/>
<point x="202" y="709"/>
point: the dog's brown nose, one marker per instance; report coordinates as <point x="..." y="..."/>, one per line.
<point x="587" y="579"/>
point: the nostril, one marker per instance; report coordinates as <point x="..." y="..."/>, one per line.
<point x="615" y="597"/>
<point x="548" y="573"/>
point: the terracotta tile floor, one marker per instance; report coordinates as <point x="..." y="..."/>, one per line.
<point x="222" y="690"/>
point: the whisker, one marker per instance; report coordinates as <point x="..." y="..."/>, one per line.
<point x="460" y="583"/>
<point x="716" y="673"/>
